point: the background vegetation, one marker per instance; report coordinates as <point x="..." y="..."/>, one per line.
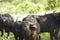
<point x="22" y="8"/>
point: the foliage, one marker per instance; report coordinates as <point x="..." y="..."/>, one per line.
<point x="17" y="7"/>
<point x="28" y="6"/>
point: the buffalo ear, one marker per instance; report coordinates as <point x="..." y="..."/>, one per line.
<point x="17" y="19"/>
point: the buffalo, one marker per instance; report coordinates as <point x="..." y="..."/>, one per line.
<point x="30" y="28"/>
<point x="48" y="23"/>
<point x="16" y="30"/>
<point x="6" y="21"/>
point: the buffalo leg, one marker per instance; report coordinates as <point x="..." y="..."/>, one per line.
<point x="15" y="36"/>
<point x="51" y="36"/>
<point x="2" y="33"/>
<point x="20" y="38"/>
<point x="56" y="34"/>
<point x="8" y="35"/>
<point x="38" y="37"/>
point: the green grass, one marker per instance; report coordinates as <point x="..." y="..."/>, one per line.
<point x="5" y="36"/>
<point x="44" y="36"/>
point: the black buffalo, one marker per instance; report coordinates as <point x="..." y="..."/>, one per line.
<point x="6" y="21"/>
<point x="30" y="28"/>
<point x="16" y="30"/>
<point x="49" y="23"/>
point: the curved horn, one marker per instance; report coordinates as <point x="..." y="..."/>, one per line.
<point x="45" y="13"/>
<point x="54" y="11"/>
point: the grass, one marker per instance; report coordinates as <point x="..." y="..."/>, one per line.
<point x="44" y="36"/>
<point x="5" y="36"/>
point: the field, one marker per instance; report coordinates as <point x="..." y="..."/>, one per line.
<point x="21" y="8"/>
<point x="44" y="36"/>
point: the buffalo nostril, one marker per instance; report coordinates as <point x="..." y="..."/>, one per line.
<point x="32" y="28"/>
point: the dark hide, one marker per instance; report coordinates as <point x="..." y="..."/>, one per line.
<point x="30" y="28"/>
<point x="6" y="22"/>
<point x="16" y="30"/>
<point x="48" y="23"/>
